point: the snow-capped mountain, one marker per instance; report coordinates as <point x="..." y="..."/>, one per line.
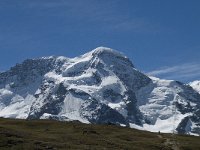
<point x="195" y="85"/>
<point x="101" y="86"/>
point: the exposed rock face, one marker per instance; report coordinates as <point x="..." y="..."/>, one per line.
<point x="101" y="86"/>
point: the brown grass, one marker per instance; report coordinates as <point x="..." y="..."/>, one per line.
<point x="47" y="134"/>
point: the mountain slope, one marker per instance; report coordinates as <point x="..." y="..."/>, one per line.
<point x="101" y="86"/>
<point x="168" y="105"/>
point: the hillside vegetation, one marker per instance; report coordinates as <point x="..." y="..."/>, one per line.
<point x="54" y="135"/>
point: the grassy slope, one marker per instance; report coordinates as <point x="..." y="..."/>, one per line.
<point x="46" y="134"/>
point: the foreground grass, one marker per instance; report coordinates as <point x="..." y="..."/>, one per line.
<point x="46" y="134"/>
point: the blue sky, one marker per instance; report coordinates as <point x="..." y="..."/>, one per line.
<point x="162" y="38"/>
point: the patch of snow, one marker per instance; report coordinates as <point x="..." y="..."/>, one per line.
<point x="164" y="126"/>
<point x="120" y="107"/>
<point x="71" y="108"/>
<point x="195" y="85"/>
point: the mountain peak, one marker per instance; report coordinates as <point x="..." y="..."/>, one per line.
<point x="105" y="50"/>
